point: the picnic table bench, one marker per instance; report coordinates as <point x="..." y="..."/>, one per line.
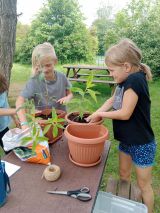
<point x="29" y="189"/>
<point x="73" y="74"/>
<point x="124" y="189"/>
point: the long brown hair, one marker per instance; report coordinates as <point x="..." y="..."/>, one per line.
<point x="3" y="84"/>
<point x="127" y="51"/>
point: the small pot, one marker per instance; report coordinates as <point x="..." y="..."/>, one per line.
<point x="70" y="118"/>
<point x="42" y="123"/>
<point x="86" y="143"/>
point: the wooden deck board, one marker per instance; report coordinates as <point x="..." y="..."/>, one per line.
<point x="124" y="189"/>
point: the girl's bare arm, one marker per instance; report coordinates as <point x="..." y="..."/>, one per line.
<point x="130" y="100"/>
<point x="7" y="111"/>
<point x="21" y="112"/>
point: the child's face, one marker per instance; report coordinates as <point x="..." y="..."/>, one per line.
<point x="119" y="73"/>
<point x="47" y="66"/>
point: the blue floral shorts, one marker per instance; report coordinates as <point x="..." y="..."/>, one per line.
<point x="142" y="155"/>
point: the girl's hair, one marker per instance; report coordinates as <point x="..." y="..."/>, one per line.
<point x="3" y="84"/>
<point x="40" y="53"/>
<point x="127" y="51"/>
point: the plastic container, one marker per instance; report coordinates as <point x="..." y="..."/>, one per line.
<point x="108" y="203"/>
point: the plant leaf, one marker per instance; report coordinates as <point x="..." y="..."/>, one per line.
<point x="25" y="140"/>
<point x="2" y="153"/>
<point x="34" y="146"/>
<point x="54" y="114"/>
<point x="89" y="83"/>
<point x="77" y="90"/>
<point x="60" y="120"/>
<point x="92" y="94"/>
<point x="81" y="114"/>
<point x="41" y="139"/>
<point x="46" y="128"/>
<point x="60" y="126"/>
<point x="55" y="131"/>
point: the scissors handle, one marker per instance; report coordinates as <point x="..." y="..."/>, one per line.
<point x="85" y="189"/>
<point x="82" y="196"/>
<point x="78" y="191"/>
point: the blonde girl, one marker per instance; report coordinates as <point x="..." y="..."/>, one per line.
<point x="47" y="87"/>
<point x="129" y="108"/>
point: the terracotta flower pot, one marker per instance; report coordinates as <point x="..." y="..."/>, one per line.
<point x="86" y="143"/>
<point x="71" y="119"/>
<point x="45" y="115"/>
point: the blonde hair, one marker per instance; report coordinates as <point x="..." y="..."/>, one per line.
<point x="127" y="51"/>
<point x="41" y="52"/>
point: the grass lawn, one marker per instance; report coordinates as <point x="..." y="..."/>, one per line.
<point x="21" y="73"/>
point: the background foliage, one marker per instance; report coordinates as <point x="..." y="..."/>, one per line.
<point x="62" y="24"/>
<point x="139" y="22"/>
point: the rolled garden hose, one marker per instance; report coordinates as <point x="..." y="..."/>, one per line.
<point x="51" y="172"/>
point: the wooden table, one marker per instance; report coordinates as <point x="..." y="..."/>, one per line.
<point x="29" y="195"/>
<point x="73" y="74"/>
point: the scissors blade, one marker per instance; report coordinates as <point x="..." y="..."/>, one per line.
<point x="57" y="192"/>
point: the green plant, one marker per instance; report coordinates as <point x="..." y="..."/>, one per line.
<point x="54" y="122"/>
<point x="35" y="136"/>
<point x="1" y="152"/>
<point x="84" y="103"/>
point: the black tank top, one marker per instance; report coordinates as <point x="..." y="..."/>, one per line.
<point x="136" y="130"/>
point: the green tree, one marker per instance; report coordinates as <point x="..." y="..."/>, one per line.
<point x="61" y="23"/>
<point x="102" y="24"/>
<point x="143" y="17"/>
<point x="21" y="33"/>
<point x="139" y="22"/>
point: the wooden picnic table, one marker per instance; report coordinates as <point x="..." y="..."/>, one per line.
<point x="73" y="74"/>
<point x="29" y="190"/>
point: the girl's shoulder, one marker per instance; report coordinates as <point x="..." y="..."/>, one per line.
<point x="136" y="76"/>
<point x="59" y="73"/>
<point x="3" y="98"/>
<point x="136" y="81"/>
<point x="3" y="94"/>
<point x="61" y="76"/>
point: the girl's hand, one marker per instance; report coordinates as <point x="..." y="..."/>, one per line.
<point x="24" y="127"/>
<point x="16" y="121"/>
<point x="64" y="100"/>
<point x="93" y="118"/>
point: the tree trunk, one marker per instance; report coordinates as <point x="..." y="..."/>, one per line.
<point x="8" y="21"/>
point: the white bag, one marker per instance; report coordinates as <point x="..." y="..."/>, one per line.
<point x="13" y="138"/>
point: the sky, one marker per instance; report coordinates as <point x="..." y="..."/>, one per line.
<point x="88" y="7"/>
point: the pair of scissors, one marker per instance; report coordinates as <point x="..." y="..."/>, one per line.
<point x="81" y="194"/>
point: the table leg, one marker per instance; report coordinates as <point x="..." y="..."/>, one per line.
<point x="67" y="74"/>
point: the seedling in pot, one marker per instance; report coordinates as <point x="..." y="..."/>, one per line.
<point x="35" y="138"/>
<point x="54" y="122"/>
<point x="83" y="103"/>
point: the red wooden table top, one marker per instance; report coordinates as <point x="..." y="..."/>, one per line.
<point x="29" y="195"/>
